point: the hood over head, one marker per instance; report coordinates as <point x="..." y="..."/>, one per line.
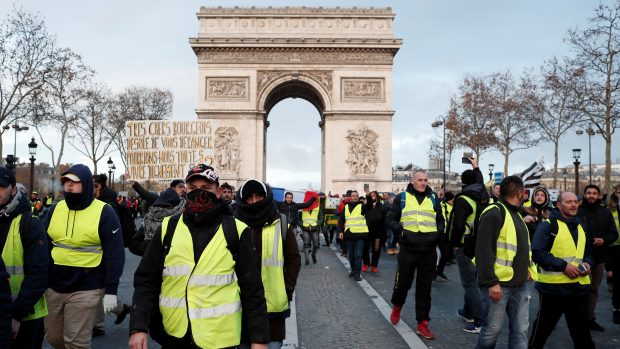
<point x="168" y="198"/>
<point x="86" y="197"/>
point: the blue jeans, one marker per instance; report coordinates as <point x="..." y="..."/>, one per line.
<point x="354" y="252"/>
<point x="473" y="307"/>
<point x="270" y="345"/>
<point x="514" y="302"/>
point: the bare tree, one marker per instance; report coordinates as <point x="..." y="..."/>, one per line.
<point x="91" y="135"/>
<point x="25" y="53"/>
<point x="597" y="48"/>
<point x="558" y="104"/>
<point x="137" y="103"/>
<point x="469" y="119"/>
<point x="514" y="129"/>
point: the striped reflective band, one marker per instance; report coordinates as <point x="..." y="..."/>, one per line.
<point x="171" y="302"/>
<point x="356" y="219"/>
<point x="221" y="310"/>
<point x="424" y="224"/>
<point x="310" y="220"/>
<point x="356" y="225"/>
<point x="572" y="259"/>
<point x="176" y="270"/>
<point x="274" y="262"/>
<point x="212" y="280"/>
<point x="418" y="212"/>
<point x="506" y="246"/>
<point x="91" y="249"/>
<point x="503" y="262"/>
<point x="15" y="270"/>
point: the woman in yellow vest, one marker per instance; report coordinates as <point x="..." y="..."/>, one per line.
<point x="277" y="250"/>
<point x="563" y="253"/>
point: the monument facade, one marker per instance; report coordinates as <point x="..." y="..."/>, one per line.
<point x="338" y="59"/>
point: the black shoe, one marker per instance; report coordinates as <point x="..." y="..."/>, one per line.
<point x="442" y="277"/>
<point x="617" y="316"/>
<point x="122" y="315"/>
<point x="98" y="332"/>
<point x="358" y="278"/>
<point x="307" y="262"/>
<point x="351" y="275"/>
<point x="314" y="259"/>
<point x="594" y="326"/>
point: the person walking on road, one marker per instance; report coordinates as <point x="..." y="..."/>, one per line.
<point x="444" y="243"/>
<point x="377" y="232"/>
<point x="87" y="260"/>
<point x="290" y="208"/>
<point x="504" y="263"/>
<point x="311" y="221"/>
<point x="352" y="227"/>
<point x="416" y="216"/>
<point x="198" y="274"/>
<point x="562" y="252"/>
<point x="278" y="254"/>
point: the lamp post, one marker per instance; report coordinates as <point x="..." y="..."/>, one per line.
<point x="10" y="162"/>
<point x="110" y="164"/>
<point x="491" y="167"/>
<point x="113" y="172"/>
<point x="32" y="148"/>
<point x="590" y="132"/>
<point x="442" y="122"/>
<point x="565" y="176"/>
<point x="576" y="155"/>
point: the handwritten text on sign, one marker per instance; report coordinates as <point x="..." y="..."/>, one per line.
<point x="164" y="150"/>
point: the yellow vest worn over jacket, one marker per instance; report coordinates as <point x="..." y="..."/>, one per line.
<point x="75" y="235"/>
<point x="203" y="294"/>
<point x="13" y="257"/>
<point x="310" y="218"/>
<point x="272" y="268"/>
<point x="470" y="221"/>
<point x="418" y="218"/>
<point x="614" y="213"/>
<point x="354" y="221"/>
<point x="564" y="248"/>
<point x="506" y="247"/>
<point x="446" y="209"/>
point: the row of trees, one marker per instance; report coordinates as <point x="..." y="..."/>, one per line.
<point x="500" y="112"/>
<point x="49" y="87"/>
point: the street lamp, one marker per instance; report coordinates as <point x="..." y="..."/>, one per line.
<point x="565" y="176"/>
<point x="491" y="167"/>
<point x="113" y="172"/>
<point x="576" y="155"/>
<point x="10" y="162"/>
<point x="590" y="133"/>
<point x="110" y="164"/>
<point x="442" y="122"/>
<point x="17" y="128"/>
<point x="32" y="148"/>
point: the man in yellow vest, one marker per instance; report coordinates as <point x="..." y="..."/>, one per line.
<point x="311" y="221"/>
<point x="503" y="261"/>
<point x="614" y="254"/>
<point x="197" y="276"/>
<point x="277" y="250"/>
<point x="563" y="253"/>
<point x="24" y="252"/>
<point x="88" y="258"/>
<point x="443" y="244"/>
<point x="352" y="227"/>
<point x="416" y="216"/>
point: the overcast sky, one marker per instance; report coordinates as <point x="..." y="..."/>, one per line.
<point x="140" y="42"/>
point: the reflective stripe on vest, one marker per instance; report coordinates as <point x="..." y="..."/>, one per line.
<point x="354" y="221"/>
<point x="418" y="218"/>
<point x="470" y="221"/>
<point x="614" y="213"/>
<point x="75" y="235"/>
<point x="13" y="257"/>
<point x="564" y="248"/>
<point x="272" y="268"/>
<point x="310" y="218"/>
<point x="205" y="294"/>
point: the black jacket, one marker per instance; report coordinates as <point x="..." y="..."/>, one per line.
<point x="5" y="308"/>
<point x="541" y="254"/>
<point x="415" y="241"/>
<point x="148" y="197"/>
<point x="34" y="243"/>
<point x="148" y="278"/>
<point x="375" y="219"/>
<point x="342" y="220"/>
<point x="462" y="209"/>
<point x="290" y="210"/>
<point x="598" y="222"/>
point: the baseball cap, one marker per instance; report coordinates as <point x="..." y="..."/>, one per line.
<point x="204" y="171"/>
<point x="70" y="176"/>
<point x="7" y="177"/>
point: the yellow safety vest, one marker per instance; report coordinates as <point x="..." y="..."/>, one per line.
<point x="75" y="235"/>
<point x="13" y="257"/>
<point x="506" y="247"/>
<point x="203" y="294"/>
<point x="310" y="218"/>
<point x="272" y="268"/>
<point x="446" y="210"/>
<point x="614" y="213"/>
<point x="469" y="221"/>
<point x="564" y="248"/>
<point x="354" y="221"/>
<point x="49" y="201"/>
<point x="418" y="218"/>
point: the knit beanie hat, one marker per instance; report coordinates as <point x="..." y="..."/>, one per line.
<point x="468" y="177"/>
<point x="250" y="187"/>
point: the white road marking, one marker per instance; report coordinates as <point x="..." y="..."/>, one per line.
<point x="291" y="340"/>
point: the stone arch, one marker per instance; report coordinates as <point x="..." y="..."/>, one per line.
<point x="298" y="86"/>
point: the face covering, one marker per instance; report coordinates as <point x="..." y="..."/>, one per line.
<point x="74" y="200"/>
<point x="201" y="205"/>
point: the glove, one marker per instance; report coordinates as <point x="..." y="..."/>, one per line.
<point x="109" y="303"/>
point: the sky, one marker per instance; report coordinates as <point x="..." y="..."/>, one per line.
<point x="145" y="43"/>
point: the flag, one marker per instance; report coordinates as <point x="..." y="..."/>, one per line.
<point x="531" y="176"/>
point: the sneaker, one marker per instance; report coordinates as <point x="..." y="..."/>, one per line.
<point x="122" y="315"/>
<point x="442" y="277"/>
<point x="424" y="331"/>
<point x="375" y="269"/>
<point x="314" y="259"/>
<point x="365" y="268"/>
<point x="358" y="278"/>
<point x="617" y="316"/>
<point x="395" y="316"/>
<point x="594" y="326"/>
<point x="98" y="332"/>
<point x="471" y="328"/>
<point x="307" y="263"/>
<point x="461" y="314"/>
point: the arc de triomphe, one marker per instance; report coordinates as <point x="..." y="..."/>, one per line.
<point x="338" y="59"/>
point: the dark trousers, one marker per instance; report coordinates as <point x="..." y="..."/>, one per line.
<point x="551" y="309"/>
<point x="30" y="335"/>
<point x="355" y="247"/>
<point x="373" y="245"/>
<point x="614" y="253"/>
<point x="444" y="248"/>
<point x="408" y="262"/>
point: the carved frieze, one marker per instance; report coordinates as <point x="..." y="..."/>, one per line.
<point x="322" y="77"/>
<point x="226" y="88"/>
<point x="363" y="89"/>
<point x="362" y="151"/>
<point x="357" y="57"/>
<point x="227" y="149"/>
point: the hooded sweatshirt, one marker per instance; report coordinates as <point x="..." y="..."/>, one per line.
<point x="462" y="209"/>
<point x="34" y="243"/>
<point x="65" y="279"/>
